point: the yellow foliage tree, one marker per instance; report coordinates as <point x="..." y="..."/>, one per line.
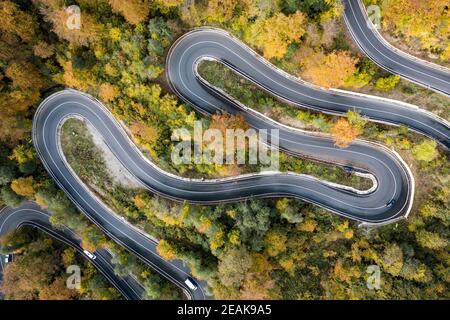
<point x="24" y="186"/>
<point x="427" y="21"/>
<point x="345" y="273"/>
<point x="134" y="11"/>
<point x="108" y="92"/>
<point x="22" y="154"/>
<point x="308" y="225"/>
<point x="329" y="70"/>
<point x="14" y="20"/>
<point x="166" y="250"/>
<point x="220" y="10"/>
<point x="273" y="35"/>
<point x="275" y="241"/>
<point x="25" y="75"/>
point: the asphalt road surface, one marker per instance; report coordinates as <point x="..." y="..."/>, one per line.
<point x="388" y="57"/>
<point x="46" y="126"/>
<point x="218" y="45"/>
<point x="30" y="214"/>
<point x="388" y="201"/>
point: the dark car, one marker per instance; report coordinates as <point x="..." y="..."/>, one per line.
<point x="390" y="203"/>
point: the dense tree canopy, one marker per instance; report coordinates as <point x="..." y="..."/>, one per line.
<point x="284" y="248"/>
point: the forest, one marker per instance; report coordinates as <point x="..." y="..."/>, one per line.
<point x="259" y="249"/>
<point x="420" y="27"/>
<point x="39" y="270"/>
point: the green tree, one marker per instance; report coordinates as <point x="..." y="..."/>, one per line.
<point x="7" y="173"/>
<point x="233" y="266"/>
<point x="10" y="198"/>
<point x="312" y="8"/>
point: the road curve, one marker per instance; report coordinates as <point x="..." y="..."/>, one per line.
<point x="394" y="181"/>
<point x="47" y="123"/>
<point x="388" y="57"/>
<point x="30" y="214"/>
<point x="215" y="44"/>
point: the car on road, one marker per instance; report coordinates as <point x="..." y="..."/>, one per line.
<point x="390" y="203"/>
<point x="8" y="258"/>
<point x="190" y="283"/>
<point x="348" y="168"/>
<point x="90" y="255"/>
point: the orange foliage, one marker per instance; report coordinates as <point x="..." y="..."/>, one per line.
<point x="146" y="133"/>
<point x="329" y="70"/>
<point x="344" y="132"/>
<point x="108" y="92"/>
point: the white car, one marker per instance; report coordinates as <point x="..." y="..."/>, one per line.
<point x="8" y="258"/>
<point x="90" y="255"/>
<point x="190" y="283"/>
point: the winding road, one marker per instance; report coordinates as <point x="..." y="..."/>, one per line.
<point x="388" y="57"/>
<point x="390" y="198"/>
<point x="30" y="214"/>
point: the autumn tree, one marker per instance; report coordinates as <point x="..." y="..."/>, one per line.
<point x="146" y="135"/>
<point x="25" y="75"/>
<point x="166" y="5"/>
<point x="258" y="283"/>
<point x="24" y="186"/>
<point x="233" y="266"/>
<point x="43" y="49"/>
<point x="25" y="157"/>
<point x="57" y="290"/>
<point x="134" y="11"/>
<point x="288" y="209"/>
<point x="108" y="92"/>
<point x="273" y="35"/>
<point x="220" y="10"/>
<point x="388" y="83"/>
<point x="426" y="151"/>
<point x="329" y="70"/>
<point x="260" y="8"/>
<point x="392" y="259"/>
<point x="344" y="133"/>
<point x="166" y="250"/>
<point x="275" y="242"/>
<point x="421" y="20"/>
<point x="431" y="240"/>
<point x="88" y="32"/>
<point x="16" y="21"/>
<point x="38" y="271"/>
<point x="30" y="272"/>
